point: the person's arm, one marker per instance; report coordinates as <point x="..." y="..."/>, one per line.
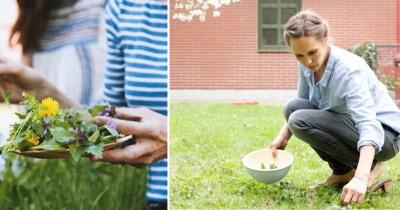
<point x="285" y="132"/>
<point x="49" y="90"/>
<point x="361" y="107"/>
<point x="281" y="140"/>
<point x="16" y="78"/>
<point x="354" y="191"/>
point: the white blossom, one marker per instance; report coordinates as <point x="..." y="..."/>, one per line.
<point x="216" y="13"/>
<point x="186" y="10"/>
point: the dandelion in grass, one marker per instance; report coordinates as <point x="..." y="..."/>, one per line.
<point x="49" y="107"/>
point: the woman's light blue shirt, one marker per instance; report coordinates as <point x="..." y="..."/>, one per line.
<point x="349" y="86"/>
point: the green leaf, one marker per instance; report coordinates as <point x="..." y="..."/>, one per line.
<point x="95" y="150"/>
<point x="61" y="135"/>
<point x="273" y="166"/>
<point x="90" y="127"/>
<point x="93" y="138"/>
<point x="20" y="115"/>
<point x="94" y="111"/>
<point x="37" y="127"/>
<point x="49" y="145"/>
<point x="112" y="131"/>
<point x="106" y="139"/>
<point x="7" y="96"/>
<point x="76" y="152"/>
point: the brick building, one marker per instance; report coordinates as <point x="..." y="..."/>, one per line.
<point x="224" y="52"/>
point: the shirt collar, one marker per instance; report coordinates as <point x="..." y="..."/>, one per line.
<point x="328" y="68"/>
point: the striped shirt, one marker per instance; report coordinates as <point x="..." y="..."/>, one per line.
<point x="137" y="73"/>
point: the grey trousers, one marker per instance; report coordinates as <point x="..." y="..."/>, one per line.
<point x="333" y="136"/>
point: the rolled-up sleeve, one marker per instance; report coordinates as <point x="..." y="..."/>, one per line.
<point x="361" y="107"/>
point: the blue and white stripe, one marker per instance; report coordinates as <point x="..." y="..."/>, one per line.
<point x="77" y="26"/>
<point x="137" y="67"/>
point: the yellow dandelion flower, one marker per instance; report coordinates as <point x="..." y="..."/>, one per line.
<point x="50" y="107"/>
<point x="33" y="139"/>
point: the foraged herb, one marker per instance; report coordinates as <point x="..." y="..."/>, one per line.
<point x="262" y="165"/>
<point x="273" y="166"/>
<point x="7" y="96"/>
<point x="44" y="126"/>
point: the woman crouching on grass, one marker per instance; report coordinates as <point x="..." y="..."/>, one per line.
<point x="342" y="110"/>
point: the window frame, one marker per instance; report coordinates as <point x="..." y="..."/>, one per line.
<point x="261" y="26"/>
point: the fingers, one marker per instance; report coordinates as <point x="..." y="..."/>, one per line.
<point x="132" y="154"/>
<point x="344" y="197"/>
<point x="122" y="126"/>
<point x="360" y="198"/>
<point x="347" y="197"/>
<point x="134" y="114"/>
<point x="355" y="197"/>
<point x="273" y="152"/>
<point x="350" y="196"/>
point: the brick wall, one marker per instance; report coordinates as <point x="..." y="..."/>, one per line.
<point x="221" y="53"/>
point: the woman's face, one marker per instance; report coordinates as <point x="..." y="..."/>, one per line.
<point x="310" y="52"/>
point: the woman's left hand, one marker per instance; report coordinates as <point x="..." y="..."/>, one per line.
<point x="354" y="191"/>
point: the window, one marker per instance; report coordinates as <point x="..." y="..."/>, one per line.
<point x="272" y="16"/>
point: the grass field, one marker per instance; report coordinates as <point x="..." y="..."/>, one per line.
<point x="208" y="142"/>
<point x="31" y="184"/>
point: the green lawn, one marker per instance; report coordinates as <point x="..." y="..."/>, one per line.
<point x="208" y="142"/>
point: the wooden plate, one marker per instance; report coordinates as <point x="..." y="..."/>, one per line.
<point x="51" y="154"/>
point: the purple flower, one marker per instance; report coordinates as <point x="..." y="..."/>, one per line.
<point x="111" y="124"/>
<point x="109" y="111"/>
<point x="81" y="135"/>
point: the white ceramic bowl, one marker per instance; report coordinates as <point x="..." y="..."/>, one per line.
<point x="252" y="162"/>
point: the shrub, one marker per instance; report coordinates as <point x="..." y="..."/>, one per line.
<point x="369" y="52"/>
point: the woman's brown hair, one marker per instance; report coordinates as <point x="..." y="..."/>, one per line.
<point x="304" y="24"/>
<point x="32" y="22"/>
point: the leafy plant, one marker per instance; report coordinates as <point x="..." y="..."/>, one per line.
<point x="369" y="52"/>
<point x="44" y="126"/>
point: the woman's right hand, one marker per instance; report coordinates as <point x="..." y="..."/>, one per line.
<point x="150" y="130"/>
<point x="16" y="78"/>
<point x="278" y="143"/>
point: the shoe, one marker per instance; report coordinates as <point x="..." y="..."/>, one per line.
<point x="383" y="185"/>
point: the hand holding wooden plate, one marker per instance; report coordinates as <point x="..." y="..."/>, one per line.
<point x="51" y="154"/>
